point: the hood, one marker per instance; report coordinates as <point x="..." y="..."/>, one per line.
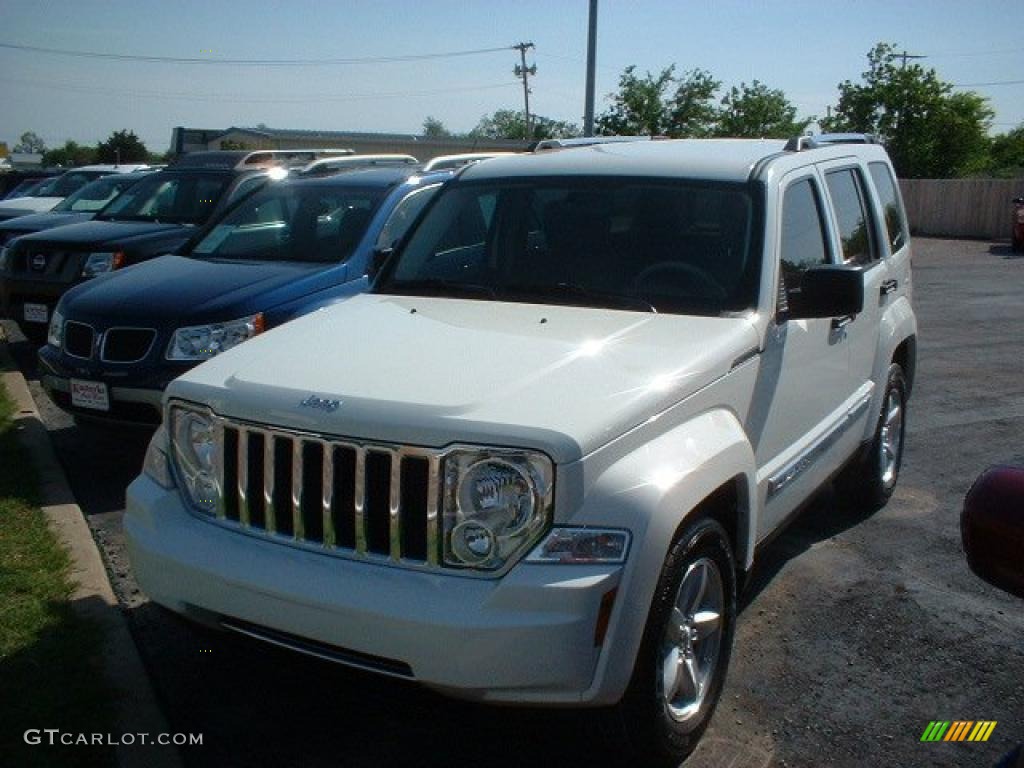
<point x="179" y="290"/>
<point x="36" y="222"/>
<point x="433" y="371"/>
<point x="20" y="206"/>
<point x="88" y="234"/>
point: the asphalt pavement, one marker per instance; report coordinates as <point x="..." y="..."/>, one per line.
<point x="856" y="632"/>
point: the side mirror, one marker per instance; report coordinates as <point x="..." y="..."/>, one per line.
<point x="829" y="290"/>
<point x="992" y="528"/>
<point x="377" y="260"/>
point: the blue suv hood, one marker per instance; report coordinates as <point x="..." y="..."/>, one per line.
<point x="89" y="234"/>
<point x="177" y="290"/>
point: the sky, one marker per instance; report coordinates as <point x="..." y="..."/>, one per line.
<point x="803" y="48"/>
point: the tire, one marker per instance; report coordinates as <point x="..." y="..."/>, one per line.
<point x="870" y="480"/>
<point x="660" y="729"/>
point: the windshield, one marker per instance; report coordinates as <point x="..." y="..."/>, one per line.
<point x="65" y="184"/>
<point x="294" y="223"/>
<point x="95" y="195"/>
<point x="648" y="245"/>
<point x="180" y="198"/>
<point x="25" y="188"/>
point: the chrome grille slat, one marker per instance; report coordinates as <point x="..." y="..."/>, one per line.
<point x="218" y="466"/>
<point x="327" y="506"/>
<point x="433" y="492"/>
<point x="330" y="505"/>
<point x="269" y="518"/>
<point x="360" y="500"/>
<point x="243" y="476"/>
<point x="395" y="502"/>
<point x="298" y="525"/>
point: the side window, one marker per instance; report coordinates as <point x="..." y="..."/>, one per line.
<point x="803" y="242"/>
<point x="404" y="214"/>
<point x="895" y="218"/>
<point x="847" y="191"/>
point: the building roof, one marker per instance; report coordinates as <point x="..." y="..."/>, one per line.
<point x="711" y="159"/>
<point x="284" y="134"/>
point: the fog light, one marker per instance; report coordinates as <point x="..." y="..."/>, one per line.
<point x="472" y="542"/>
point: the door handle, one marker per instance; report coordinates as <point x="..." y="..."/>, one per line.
<point x="888" y="287"/>
<point x="841" y="322"/>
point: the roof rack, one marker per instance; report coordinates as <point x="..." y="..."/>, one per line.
<point x="327" y="165"/>
<point x="233" y="159"/>
<point x="448" y="162"/>
<point x="585" y="141"/>
<point x="816" y="141"/>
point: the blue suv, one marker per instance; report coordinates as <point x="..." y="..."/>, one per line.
<point x="115" y="342"/>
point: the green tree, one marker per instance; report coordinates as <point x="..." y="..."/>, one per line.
<point x="30" y="143"/>
<point x="434" y="128"/>
<point x="662" y="104"/>
<point x="930" y="131"/>
<point x="511" y="124"/>
<point x="70" y="155"/>
<point x="122" y="147"/>
<point x="757" y="111"/>
<point x="1007" y="153"/>
<point x="639" y="107"/>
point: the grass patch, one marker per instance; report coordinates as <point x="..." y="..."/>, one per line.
<point x="51" y="673"/>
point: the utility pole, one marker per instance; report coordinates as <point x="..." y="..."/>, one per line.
<point x="588" y="108"/>
<point x="525" y="72"/>
<point x="904" y="56"/>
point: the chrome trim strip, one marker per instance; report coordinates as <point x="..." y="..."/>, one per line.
<point x="433" y="491"/>
<point x="269" y="518"/>
<point x="394" y="507"/>
<point x="330" y="538"/>
<point x="360" y="499"/>
<point x="786" y="476"/>
<point x="298" y="525"/>
<point x="243" y="476"/>
<point x="106" y="335"/>
<point x="750" y="354"/>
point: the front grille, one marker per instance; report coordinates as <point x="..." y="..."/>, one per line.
<point x="127" y="345"/>
<point x="78" y="339"/>
<point x="350" y="499"/>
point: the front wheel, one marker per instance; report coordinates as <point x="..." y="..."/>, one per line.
<point x="685" y="649"/>
<point x="871" y="479"/>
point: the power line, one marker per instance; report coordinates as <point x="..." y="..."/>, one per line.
<point x="993" y="82"/>
<point x="249" y="62"/>
<point x="243" y="99"/>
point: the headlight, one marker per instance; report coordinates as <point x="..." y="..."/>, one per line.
<point x="98" y="263"/>
<point x="55" y="334"/>
<point x="193" y="449"/>
<point x="496" y="505"/>
<point x="156" y="464"/>
<point x="201" y="342"/>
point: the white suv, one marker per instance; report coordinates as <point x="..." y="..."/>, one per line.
<point x="534" y="464"/>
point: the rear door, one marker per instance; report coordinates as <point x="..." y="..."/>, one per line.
<point x="860" y="241"/>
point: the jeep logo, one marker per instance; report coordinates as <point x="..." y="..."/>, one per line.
<point x="39" y="262"/>
<point x="318" y="402"/>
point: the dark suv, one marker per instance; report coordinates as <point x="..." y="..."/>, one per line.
<point x="117" y="341"/>
<point x="156" y="216"/>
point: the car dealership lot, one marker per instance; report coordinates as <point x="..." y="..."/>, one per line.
<point x="854" y="635"/>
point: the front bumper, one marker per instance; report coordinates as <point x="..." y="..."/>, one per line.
<point x="16" y="293"/>
<point x="135" y="397"/>
<point x="525" y="638"/>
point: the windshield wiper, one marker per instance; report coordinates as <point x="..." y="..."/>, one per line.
<point x="437" y="286"/>
<point x="581" y="291"/>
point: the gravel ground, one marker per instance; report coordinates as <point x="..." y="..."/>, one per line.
<point x="856" y="632"/>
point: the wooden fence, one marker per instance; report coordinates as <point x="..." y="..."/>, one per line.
<point x="978" y="208"/>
